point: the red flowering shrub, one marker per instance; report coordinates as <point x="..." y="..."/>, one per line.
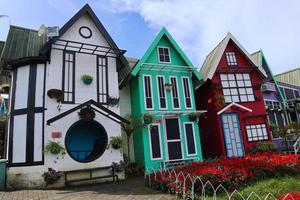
<point x="231" y="173"/>
<point x="290" y="196"/>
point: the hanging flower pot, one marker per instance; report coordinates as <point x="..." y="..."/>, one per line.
<point x="55" y="94"/>
<point x="87" y="79"/>
<point x="148" y="118"/>
<point x="87" y="113"/>
<point x="194" y="116"/>
<point x="113" y="101"/>
<point x="168" y="86"/>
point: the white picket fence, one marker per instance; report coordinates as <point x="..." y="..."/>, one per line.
<point x="189" y="193"/>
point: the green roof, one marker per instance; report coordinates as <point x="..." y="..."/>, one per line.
<point x="21" y="43"/>
<point x="196" y="76"/>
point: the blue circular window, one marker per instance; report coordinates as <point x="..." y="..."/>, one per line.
<point x="86" y="141"/>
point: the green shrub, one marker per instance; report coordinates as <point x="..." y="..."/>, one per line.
<point x="266" y="146"/>
<point x="116" y="142"/>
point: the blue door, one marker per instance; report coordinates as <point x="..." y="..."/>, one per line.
<point x="232" y="134"/>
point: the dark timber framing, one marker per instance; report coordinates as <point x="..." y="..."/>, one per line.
<point x="66" y="88"/>
<point x="106" y="112"/>
<point x="30" y="111"/>
<point x="101" y="84"/>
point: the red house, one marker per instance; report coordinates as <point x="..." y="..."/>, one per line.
<point x="231" y="93"/>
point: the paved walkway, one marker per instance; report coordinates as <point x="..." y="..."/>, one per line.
<point x="132" y="189"/>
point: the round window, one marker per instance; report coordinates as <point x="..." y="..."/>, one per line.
<point x="86" y="141"/>
<point x="85" y="32"/>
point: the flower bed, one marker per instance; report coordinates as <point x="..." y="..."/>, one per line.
<point x="290" y="196"/>
<point x="232" y="173"/>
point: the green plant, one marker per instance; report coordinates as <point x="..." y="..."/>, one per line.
<point x="266" y="146"/>
<point x="87" y="79"/>
<point x="133" y="170"/>
<point x="55" y="148"/>
<point x="148" y="118"/>
<point x="194" y="116"/>
<point x="51" y="176"/>
<point x="116" y="142"/>
<point x="129" y="128"/>
<point x="113" y="101"/>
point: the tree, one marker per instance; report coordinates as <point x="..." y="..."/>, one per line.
<point x="130" y="128"/>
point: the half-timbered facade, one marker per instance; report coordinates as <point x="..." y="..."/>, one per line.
<point x="48" y="92"/>
<point x="162" y="87"/>
<point x="236" y="119"/>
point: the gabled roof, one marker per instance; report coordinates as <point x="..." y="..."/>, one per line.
<point x="236" y="105"/>
<point x="21" y="43"/>
<point x="96" y="107"/>
<point x="260" y="59"/>
<point x="213" y="58"/>
<point x="153" y="45"/>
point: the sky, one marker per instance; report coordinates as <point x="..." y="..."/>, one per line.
<point x="197" y="25"/>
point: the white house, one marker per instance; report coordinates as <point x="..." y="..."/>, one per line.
<point x="45" y="69"/>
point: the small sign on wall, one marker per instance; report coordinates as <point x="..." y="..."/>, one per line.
<point x="56" y="134"/>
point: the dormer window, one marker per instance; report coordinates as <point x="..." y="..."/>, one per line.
<point x="231" y="59"/>
<point x="164" y="55"/>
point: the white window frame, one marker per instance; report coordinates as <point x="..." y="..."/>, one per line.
<point x="176" y="140"/>
<point x="145" y="102"/>
<point x="251" y="131"/>
<point x="231" y="54"/>
<point x="158" y="54"/>
<point x="172" y="95"/>
<point x="189" y="89"/>
<point x="186" y="142"/>
<point x="150" y="142"/>
<point x="164" y="81"/>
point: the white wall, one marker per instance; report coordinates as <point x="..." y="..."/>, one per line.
<point x="22" y="87"/>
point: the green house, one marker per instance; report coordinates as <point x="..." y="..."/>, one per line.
<point x="162" y="98"/>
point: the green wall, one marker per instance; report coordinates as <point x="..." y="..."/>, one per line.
<point x="141" y="136"/>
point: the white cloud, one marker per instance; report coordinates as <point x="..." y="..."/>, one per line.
<point x="199" y="25"/>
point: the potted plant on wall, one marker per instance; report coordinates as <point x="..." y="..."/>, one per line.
<point x="87" y="113"/>
<point x="116" y="142"/>
<point x="168" y="86"/>
<point x="87" y="79"/>
<point x="148" y="118"/>
<point x="194" y="116"/>
<point x="55" y="148"/>
<point x="55" y="94"/>
<point x="113" y="101"/>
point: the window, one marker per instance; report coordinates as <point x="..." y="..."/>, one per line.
<point x="68" y="76"/>
<point x="174" y="93"/>
<point x="256" y="132"/>
<point x="102" y="80"/>
<point x="187" y="92"/>
<point x="155" y="146"/>
<point x="231" y="59"/>
<point x="237" y="87"/>
<point x="161" y="92"/>
<point x="164" y="54"/>
<point x="190" y="139"/>
<point x="148" y="92"/>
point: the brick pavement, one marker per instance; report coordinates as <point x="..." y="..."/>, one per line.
<point x="132" y="189"/>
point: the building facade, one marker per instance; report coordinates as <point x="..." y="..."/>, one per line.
<point x="52" y="102"/>
<point x="236" y="119"/>
<point x="162" y="89"/>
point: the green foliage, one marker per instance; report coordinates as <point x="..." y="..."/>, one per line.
<point x="148" y="118"/>
<point x="266" y="146"/>
<point x="55" y="148"/>
<point x="116" y="142"/>
<point x="133" y="170"/>
<point x="194" y="116"/>
<point x="87" y="79"/>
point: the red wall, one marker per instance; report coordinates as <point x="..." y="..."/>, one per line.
<point x="206" y="96"/>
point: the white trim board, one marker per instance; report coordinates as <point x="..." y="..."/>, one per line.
<point x="234" y="104"/>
